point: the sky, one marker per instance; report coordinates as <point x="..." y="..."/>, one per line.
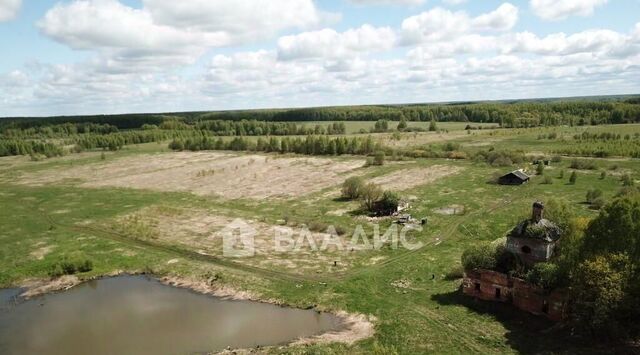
<point x="119" y="56"/>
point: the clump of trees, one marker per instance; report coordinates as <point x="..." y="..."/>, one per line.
<point x="310" y="145"/>
<point x="372" y="197"/>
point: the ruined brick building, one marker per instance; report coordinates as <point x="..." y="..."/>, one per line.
<point x="532" y="241"/>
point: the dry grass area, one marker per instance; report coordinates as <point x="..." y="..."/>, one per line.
<point x="203" y="232"/>
<point x="420" y="138"/>
<point x="226" y="175"/>
<point x="409" y="178"/>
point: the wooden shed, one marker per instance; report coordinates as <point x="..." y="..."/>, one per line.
<point x="516" y="177"/>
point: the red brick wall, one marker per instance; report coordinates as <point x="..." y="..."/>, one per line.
<point x="482" y="284"/>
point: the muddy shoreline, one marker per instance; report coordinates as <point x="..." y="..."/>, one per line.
<point x="354" y="327"/>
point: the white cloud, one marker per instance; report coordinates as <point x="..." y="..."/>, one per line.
<point x="454" y="2"/>
<point x="501" y="19"/>
<point x="328" y="43"/>
<point x="561" y="9"/>
<point x="590" y="41"/>
<point x="9" y="9"/>
<point x="388" y="2"/>
<point x="170" y="32"/>
<point x="440" y="24"/>
<point x="242" y="20"/>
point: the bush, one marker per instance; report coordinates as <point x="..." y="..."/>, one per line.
<point x="352" y="187"/>
<point x="70" y="267"/>
<point x="540" y="168"/>
<point x="388" y="204"/>
<point x="561" y="175"/>
<point x="545" y="275"/>
<point x="573" y="178"/>
<point x="583" y="164"/>
<point x="379" y="158"/>
<point x="556" y="159"/>
<point x="593" y="194"/>
<point x="547" y="180"/>
<point x="603" y="175"/>
<point x="479" y="256"/>
<point x="369" y="196"/>
<point x="627" y="180"/>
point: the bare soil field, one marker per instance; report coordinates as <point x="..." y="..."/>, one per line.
<point x="409" y="178"/>
<point x="203" y="231"/>
<point x="227" y="175"/>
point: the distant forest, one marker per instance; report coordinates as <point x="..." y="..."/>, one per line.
<point x="586" y="111"/>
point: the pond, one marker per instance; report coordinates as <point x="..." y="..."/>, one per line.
<point x="139" y="315"/>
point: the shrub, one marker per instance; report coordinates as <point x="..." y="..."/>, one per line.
<point x="545" y="275"/>
<point x="352" y="187"/>
<point x="561" y="174"/>
<point x="573" y="178"/>
<point x="556" y="159"/>
<point x="547" y="180"/>
<point x="379" y="158"/>
<point x="388" y="204"/>
<point x="479" y="256"/>
<point x="583" y="164"/>
<point x="369" y="196"/>
<point x="627" y="180"/>
<point x="540" y="168"/>
<point x="603" y="175"/>
<point x="70" y="267"/>
<point x="593" y="194"/>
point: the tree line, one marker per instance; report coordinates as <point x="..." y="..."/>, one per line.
<point x="589" y="111"/>
<point x="309" y="145"/>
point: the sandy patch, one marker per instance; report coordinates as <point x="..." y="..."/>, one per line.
<point x="450" y="210"/>
<point x="208" y="173"/>
<point x="409" y="178"/>
<point x="36" y="287"/>
<point x="41" y="252"/>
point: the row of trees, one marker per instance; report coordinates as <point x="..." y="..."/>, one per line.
<point x="29" y="147"/>
<point x="310" y="145"/>
<point x="257" y="128"/>
<point x="507" y="114"/>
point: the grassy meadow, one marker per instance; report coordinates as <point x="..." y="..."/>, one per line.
<point x="413" y="294"/>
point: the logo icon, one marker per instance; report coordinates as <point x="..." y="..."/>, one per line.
<point x="238" y="239"/>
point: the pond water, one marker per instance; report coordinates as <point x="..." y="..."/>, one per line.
<point x="139" y="315"/>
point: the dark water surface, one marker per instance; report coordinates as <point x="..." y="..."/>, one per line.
<point x="138" y="315"/>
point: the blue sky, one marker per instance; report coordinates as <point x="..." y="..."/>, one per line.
<point x="118" y="56"/>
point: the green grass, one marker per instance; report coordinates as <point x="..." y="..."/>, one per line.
<point x="430" y="316"/>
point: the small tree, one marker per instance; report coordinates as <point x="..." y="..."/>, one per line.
<point x="603" y="175"/>
<point x="540" y="168"/>
<point x="545" y="275"/>
<point x="573" y="178"/>
<point x="432" y="126"/>
<point x="402" y="125"/>
<point x="593" y="194"/>
<point x="352" y="187"/>
<point x="479" y="256"/>
<point x="370" y="195"/>
<point x="379" y="158"/>
<point x="599" y="295"/>
<point x="388" y="204"/>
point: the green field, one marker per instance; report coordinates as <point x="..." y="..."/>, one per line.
<point x="102" y="207"/>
